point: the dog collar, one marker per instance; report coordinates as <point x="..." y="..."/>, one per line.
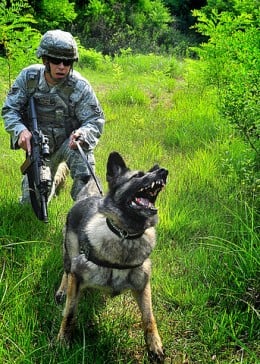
<point x="122" y="233"/>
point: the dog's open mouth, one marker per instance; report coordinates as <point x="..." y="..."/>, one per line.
<point x="145" y="197"/>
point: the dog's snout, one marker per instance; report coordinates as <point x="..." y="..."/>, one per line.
<point x="163" y="173"/>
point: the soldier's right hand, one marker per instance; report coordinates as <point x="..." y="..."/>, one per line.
<point x="24" y="140"/>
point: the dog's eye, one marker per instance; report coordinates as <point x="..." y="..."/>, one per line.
<point x="138" y="175"/>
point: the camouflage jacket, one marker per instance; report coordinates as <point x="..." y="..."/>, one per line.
<point x="67" y="106"/>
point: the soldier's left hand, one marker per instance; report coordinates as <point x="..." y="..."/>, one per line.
<point x="73" y="137"/>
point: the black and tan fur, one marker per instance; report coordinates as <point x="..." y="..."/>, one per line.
<point x="108" y="242"/>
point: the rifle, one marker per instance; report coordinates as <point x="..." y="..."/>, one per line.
<point x="38" y="173"/>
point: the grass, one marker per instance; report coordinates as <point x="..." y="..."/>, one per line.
<point x="206" y="262"/>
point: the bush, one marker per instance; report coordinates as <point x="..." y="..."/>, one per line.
<point x="232" y="56"/>
<point x="89" y="58"/>
<point x="16" y="27"/>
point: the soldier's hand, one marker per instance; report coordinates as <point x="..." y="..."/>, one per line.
<point x="73" y="137"/>
<point x="24" y="140"/>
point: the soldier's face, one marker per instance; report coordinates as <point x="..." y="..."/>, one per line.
<point x="59" y="71"/>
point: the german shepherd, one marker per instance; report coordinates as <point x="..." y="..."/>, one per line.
<point x="107" y="243"/>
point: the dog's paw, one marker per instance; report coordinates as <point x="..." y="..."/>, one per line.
<point x="64" y="338"/>
<point x="155" y="349"/>
<point x="156" y="356"/>
<point x="60" y="297"/>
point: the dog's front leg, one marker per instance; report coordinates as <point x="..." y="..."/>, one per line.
<point x="152" y="338"/>
<point x="67" y="324"/>
<point x="61" y="292"/>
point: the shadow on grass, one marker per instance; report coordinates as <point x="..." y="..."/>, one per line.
<point x="18" y="220"/>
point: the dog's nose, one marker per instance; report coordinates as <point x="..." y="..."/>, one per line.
<point x="163" y="173"/>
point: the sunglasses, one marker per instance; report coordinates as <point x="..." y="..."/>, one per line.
<point x="66" y="62"/>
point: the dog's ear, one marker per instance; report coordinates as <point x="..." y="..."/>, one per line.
<point x="154" y="168"/>
<point x="115" y="166"/>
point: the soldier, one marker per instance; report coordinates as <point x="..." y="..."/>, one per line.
<point x="67" y="108"/>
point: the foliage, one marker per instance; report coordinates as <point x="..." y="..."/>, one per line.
<point x="182" y="11"/>
<point x="55" y="14"/>
<point x="232" y="59"/>
<point x="89" y="57"/>
<point x="234" y="6"/>
<point x="16" y="27"/>
<point x="108" y="26"/>
<point x="111" y="25"/>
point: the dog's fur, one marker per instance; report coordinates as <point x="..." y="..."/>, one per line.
<point x="108" y="241"/>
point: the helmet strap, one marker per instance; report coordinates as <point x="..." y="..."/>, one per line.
<point x="46" y="64"/>
<point x="48" y="68"/>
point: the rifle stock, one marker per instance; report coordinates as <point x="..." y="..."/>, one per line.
<point x="26" y="164"/>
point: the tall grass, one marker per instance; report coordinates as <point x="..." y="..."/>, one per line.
<point x="206" y="263"/>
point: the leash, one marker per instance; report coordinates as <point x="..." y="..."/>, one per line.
<point x="89" y="166"/>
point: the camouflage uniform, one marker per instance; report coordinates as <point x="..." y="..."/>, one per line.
<point x="67" y="106"/>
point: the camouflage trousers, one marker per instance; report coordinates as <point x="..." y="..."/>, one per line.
<point x="79" y="171"/>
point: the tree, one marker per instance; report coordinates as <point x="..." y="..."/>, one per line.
<point x="182" y="11"/>
<point x="55" y="14"/>
<point x="18" y="38"/>
<point x="232" y="56"/>
<point x="110" y="25"/>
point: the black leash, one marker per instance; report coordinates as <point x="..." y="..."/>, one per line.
<point x="89" y="166"/>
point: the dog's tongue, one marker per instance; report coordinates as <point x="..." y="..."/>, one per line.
<point x="143" y="202"/>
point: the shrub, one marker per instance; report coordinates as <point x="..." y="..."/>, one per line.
<point x="16" y="27"/>
<point x="232" y="56"/>
<point x="89" y="58"/>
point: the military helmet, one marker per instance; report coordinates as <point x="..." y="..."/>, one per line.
<point x="58" y="44"/>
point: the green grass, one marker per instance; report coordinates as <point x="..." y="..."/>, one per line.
<point x="206" y="263"/>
